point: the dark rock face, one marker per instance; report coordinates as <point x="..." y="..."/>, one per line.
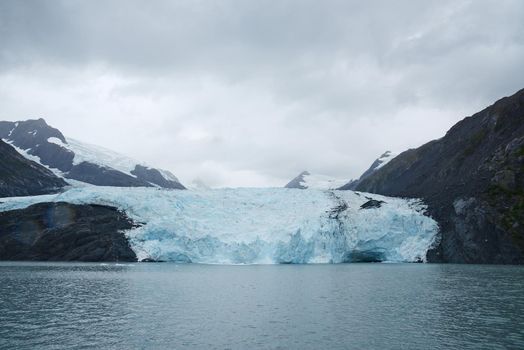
<point x="473" y="182"/>
<point x="65" y="232"/>
<point x="155" y="177"/>
<point x="296" y="182"/>
<point x="22" y="177"/>
<point x="372" y="203"/>
<point x="102" y="176"/>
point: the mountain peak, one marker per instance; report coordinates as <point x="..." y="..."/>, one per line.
<point x="306" y="180"/>
<point x="384" y="158"/>
<point x="298" y="181"/>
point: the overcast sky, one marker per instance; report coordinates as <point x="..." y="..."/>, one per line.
<point x="249" y="93"/>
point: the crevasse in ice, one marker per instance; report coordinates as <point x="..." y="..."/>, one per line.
<point x="261" y="225"/>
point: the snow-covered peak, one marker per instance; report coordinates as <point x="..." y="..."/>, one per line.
<point x="306" y="180"/>
<point x="384" y="159"/>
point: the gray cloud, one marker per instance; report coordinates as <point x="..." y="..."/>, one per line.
<point x="251" y="92"/>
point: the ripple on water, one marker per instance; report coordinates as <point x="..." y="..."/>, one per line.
<point x="383" y="306"/>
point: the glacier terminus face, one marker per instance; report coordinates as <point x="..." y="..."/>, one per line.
<point x="261" y="225"/>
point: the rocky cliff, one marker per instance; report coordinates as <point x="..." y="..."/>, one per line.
<point x="65" y="232"/>
<point x="473" y="181"/>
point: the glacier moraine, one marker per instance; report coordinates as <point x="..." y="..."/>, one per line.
<point x="261" y="225"/>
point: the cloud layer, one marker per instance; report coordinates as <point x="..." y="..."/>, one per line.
<point x="249" y="93"/>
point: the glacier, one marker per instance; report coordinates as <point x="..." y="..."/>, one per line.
<point x="260" y="225"/>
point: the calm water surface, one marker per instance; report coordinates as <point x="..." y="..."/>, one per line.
<point x="352" y="306"/>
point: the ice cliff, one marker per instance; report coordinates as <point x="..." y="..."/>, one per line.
<point x="274" y="225"/>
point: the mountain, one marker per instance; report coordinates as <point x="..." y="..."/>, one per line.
<point x="81" y="161"/>
<point x="22" y="177"/>
<point x="385" y="158"/>
<point x="306" y="180"/>
<point x="473" y="182"/>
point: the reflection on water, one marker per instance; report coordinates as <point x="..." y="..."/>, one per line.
<point x="353" y="306"/>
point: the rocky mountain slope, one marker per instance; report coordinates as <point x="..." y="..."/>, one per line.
<point x="22" y="177"/>
<point x="80" y="161"/>
<point x="65" y="232"/>
<point x="473" y="182"/>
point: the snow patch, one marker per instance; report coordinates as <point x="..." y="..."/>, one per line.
<point x="385" y="159"/>
<point x="56" y="141"/>
<point x="13" y="129"/>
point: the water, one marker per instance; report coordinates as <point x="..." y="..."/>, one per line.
<point x="352" y="306"/>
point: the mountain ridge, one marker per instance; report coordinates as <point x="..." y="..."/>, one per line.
<point x="81" y="161"/>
